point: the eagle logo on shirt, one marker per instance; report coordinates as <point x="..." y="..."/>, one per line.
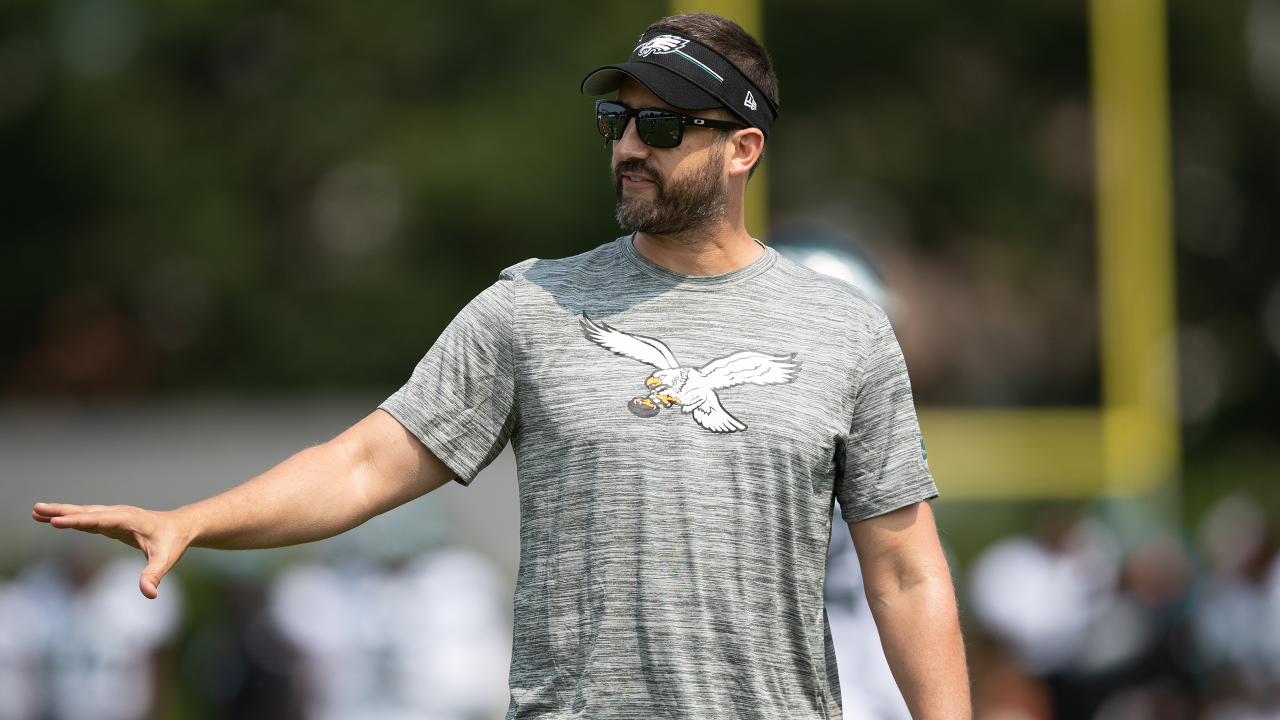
<point x="692" y="389"/>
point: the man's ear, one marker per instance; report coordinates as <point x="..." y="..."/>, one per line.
<point x="745" y="148"/>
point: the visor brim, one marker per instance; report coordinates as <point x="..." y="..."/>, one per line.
<point x="668" y="86"/>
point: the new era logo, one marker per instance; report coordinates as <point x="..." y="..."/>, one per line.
<point x="750" y="101"/>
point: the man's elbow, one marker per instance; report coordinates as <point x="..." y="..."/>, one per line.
<point x="927" y="585"/>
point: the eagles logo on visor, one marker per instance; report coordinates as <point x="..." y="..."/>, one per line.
<point x="664" y="44"/>
<point x="661" y="44"/>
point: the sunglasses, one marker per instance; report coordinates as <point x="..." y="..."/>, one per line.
<point x="656" y="128"/>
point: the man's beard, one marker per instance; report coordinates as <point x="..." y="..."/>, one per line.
<point x="695" y="199"/>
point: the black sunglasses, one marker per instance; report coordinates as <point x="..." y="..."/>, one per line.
<point x="656" y="128"/>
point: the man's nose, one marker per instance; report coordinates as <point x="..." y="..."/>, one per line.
<point x="629" y="146"/>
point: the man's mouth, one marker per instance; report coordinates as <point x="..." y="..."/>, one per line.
<point x="636" y="181"/>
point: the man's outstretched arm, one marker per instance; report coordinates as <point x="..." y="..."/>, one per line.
<point x="909" y="589"/>
<point x="320" y="492"/>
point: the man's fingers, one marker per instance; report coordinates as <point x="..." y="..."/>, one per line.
<point x="45" y="511"/>
<point x="98" y="520"/>
<point x="149" y="583"/>
<point x="121" y="523"/>
<point x="162" y="553"/>
<point x="52" y="510"/>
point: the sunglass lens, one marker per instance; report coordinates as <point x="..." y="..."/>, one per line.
<point x="611" y="119"/>
<point x="659" y="129"/>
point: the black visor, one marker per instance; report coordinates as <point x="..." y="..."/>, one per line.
<point x="688" y="75"/>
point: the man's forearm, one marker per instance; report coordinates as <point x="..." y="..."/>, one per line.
<point x="308" y="497"/>
<point x="908" y="587"/>
<point x="920" y="632"/>
<point x="369" y="469"/>
<point x="318" y="493"/>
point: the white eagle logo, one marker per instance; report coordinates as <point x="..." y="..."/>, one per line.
<point x="692" y="388"/>
<point x="661" y="44"/>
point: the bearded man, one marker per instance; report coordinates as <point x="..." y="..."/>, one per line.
<point x="686" y="406"/>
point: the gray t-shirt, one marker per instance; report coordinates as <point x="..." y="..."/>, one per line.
<point x="680" y="442"/>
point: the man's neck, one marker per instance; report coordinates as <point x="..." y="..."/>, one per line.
<point x="712" y="250"/>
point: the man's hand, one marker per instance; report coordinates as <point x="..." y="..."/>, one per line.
<point x="158" y="535"/>
<point x="320" y="492"/>
<point x="909" y="589"/>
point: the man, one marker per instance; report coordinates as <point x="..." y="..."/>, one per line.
<point x="686" y="406"/>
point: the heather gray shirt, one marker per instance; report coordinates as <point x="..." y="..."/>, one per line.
<point x="680" y="442"/>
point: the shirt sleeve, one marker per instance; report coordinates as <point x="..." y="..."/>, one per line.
<point x="460" y="401"/>
<point x="884" y="465"/>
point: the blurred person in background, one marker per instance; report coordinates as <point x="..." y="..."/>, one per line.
<point x="1138" y="659"/>
<point x="80" y="643"/>
<point x="426" y="641"/>
<point x="1101" y="633"/>
<point x="1237" y="615"/>
<point x="22" y="653"/>
<point x="671" y="561"/>
<point x="1038" y="597"/>
<point x="234" y="662"/>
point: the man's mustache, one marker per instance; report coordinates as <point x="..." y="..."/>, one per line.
<point x="634" y="167"/>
